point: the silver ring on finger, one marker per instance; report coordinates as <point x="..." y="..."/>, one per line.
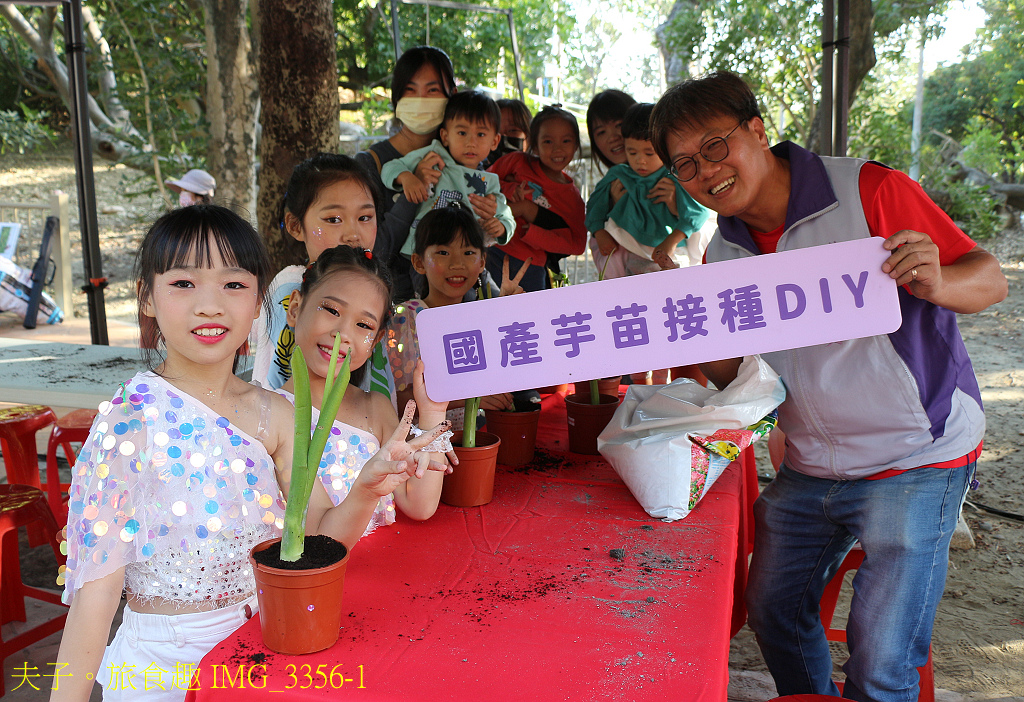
<point x="913" y="272"/>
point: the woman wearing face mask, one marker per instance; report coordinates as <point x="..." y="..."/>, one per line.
<point x="422" y="81"/>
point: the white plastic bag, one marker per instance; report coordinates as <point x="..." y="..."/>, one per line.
<point x="669" y="443"/>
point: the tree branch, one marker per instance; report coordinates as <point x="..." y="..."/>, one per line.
<point x="107" y="139"/>
<point x="107" y="80"/>
<point x="145" y="99"/>
<point x="55" y="70"/>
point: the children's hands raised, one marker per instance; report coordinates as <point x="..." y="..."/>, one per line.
<point x="419" y="392"/>
<point x="511" y="286"/>
<point x="664" y="191"/>
<point x="428" y="170"/>
<point x="401" y="458"/>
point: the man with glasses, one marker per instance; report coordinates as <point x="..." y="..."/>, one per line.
<point x="882" y="434"/>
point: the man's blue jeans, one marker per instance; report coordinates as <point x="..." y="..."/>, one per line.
<point x="804" y="527"/>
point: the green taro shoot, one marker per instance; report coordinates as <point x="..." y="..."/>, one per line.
<point x="308" y="451"/>
<point x="469" y="426"/>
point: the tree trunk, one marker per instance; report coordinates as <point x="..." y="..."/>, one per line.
<point x="677" y="68"/>
<point x="862" y="60"/>
<point x="231" y="93"/>
<point x="298" y="79"/>
<point x="862" y="43"/>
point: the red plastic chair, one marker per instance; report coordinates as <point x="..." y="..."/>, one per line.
<point x="22" y="505"/>
<point x="18" y="427"/>
<point x="71" y="428"/>
<point x="829" y="599"/>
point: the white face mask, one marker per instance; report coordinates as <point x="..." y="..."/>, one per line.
<point x="421" y="115"/>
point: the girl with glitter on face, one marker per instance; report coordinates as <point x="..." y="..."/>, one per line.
<point x="347" y="294"/>
<point x="331" y="200"/>
<point x="183" y="470"/>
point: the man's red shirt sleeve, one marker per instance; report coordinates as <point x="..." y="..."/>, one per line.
<point x="893" y="202"/>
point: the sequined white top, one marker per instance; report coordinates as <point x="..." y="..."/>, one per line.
<point x="174" y="493"/>
<point x="347" y="450"/>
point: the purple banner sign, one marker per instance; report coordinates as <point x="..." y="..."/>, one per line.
<point x="737" y="308"/>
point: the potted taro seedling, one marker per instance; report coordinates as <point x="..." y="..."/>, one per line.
<point x="300" y="578"/>
<point x="471" y="483"/>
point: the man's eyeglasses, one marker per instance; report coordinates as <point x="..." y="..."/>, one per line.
<point x="713" y="150"/>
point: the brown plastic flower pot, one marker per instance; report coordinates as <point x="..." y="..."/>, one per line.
<point x="518" y="434"/>
<point x="605" y="386"/>
<point x="300" y="610"/>
<point x="586" y="421"/>
<point x="472" y="482"/>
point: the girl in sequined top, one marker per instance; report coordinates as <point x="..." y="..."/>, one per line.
<point x="183" y="470"/>
<point x="347" y="293"/>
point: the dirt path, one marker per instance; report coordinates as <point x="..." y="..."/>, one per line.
<point x="32" y="177"/>
<point x="979" y="640"/>
<point x="979" y="632"/>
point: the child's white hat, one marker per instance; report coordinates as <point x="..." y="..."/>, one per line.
<point x="195" y="181"/>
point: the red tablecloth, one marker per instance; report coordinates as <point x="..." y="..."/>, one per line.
<point x="523" y="599"/>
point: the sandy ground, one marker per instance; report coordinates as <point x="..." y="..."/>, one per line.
<point x="979" y="632"/>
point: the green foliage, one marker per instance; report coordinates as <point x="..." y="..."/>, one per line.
<point x="469" y="425"/>
<point x="366" y="54"/>
<point x="775" y="46"/>
<point x="880" y="120"/>
<point x="376" y="110"/>
<point x="973" y="209"/>
<point x="25" y="132"/>
<point x="585" y="52"/>
<point x="13" y="56"/>
<point x="880" y="126"/>
<point x="986" y="148"/>
<point x="171" y="41"/>
<point x="978" y="100"/>
<point x="309" y="451"/>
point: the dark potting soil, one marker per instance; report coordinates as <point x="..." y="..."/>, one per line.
<point x="542" y="461"/>
<point x="319" y="551"/>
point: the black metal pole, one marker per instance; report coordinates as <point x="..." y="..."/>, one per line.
<point x="394" y="29"/>
<point x="80" y="134"/>
<point x="515" y="55"/>
<point x="828" y="46"/>
<point x="842" y="96"/>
